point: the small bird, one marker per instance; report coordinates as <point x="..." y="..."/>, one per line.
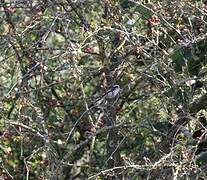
<point x="113" y="92"/>
<point x="110" y="94"/>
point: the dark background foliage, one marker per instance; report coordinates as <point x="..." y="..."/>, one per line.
<point x="58" y="56"/>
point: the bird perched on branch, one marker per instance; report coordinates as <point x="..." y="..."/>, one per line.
<point x="110" y="94"/>
<point x="113" y="92"/>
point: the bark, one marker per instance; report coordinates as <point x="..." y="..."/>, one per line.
<point x="112" y="142"/>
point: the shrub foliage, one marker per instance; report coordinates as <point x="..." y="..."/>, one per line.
<point x="59" y="57"/>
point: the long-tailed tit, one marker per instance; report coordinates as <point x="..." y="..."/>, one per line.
<point x="113" y="92"/>
<point x="110" y="94"/>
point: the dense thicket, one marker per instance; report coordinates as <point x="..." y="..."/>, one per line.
<point x="57" y="57"/>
